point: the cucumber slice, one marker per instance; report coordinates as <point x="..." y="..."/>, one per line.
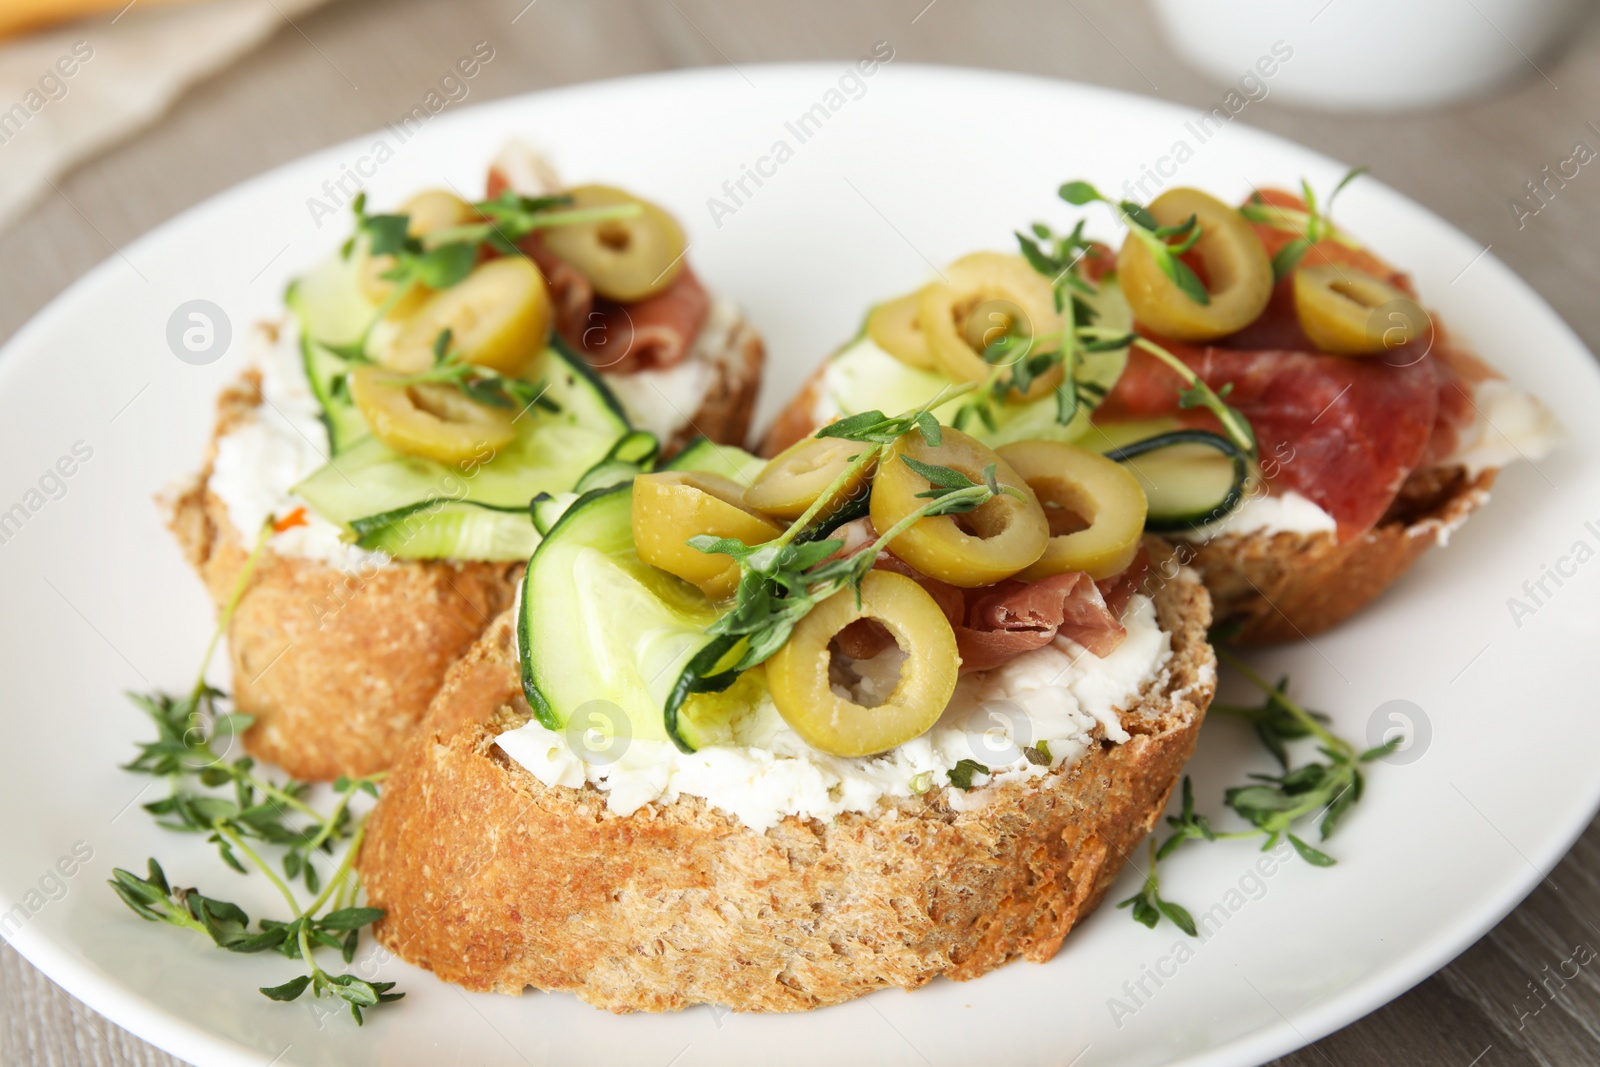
<point x="444" y="529"/>
<point x="631" y="454"/>
<point x="707" y="699"/>
<point x="548" y="509"/>
<point x="328" y="306"/>
<point x="552" y="451"/>
<point x="598" y="624"/>
<point x="1190" y="477"/>
<point x="730" y="461"/>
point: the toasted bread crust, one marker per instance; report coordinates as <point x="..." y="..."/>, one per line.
<point x="497" y="882"/>
<point x="337" y="667"/>
<point x="1289" y="586"/>
<point x="1281" y="586"/>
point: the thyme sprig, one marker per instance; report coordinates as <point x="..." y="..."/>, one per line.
<point x="244" y="814"/>
<point x="1198" y="394"/>
<point x="783" y="579"/>
<point x="1273" y="804"/>
<point x="1148" y="904"/>
<point x="1309" y="226"/>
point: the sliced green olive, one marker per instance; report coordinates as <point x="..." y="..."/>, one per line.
<point x="1095" y="508"/>
<point x="1352" y="313"/>
<point x="498" y="317"/>
<point x="669" y="507"/>
<point x="985" y="297"/>
<point x="893" y="327"/>
<point x="799" y="678"/>
<point x="1234" y="266"/>
<point x="428" y="419"/>
<point x="978" y="548"/>
<point x="795" y="477"/>
<point x="432" y="209"/>
<point x="625" y="259"/>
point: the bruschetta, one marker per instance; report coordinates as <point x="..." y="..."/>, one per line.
<point x="1345" y="430"/>
<point x="775" y="735"/>
<point x="370" y="477"/>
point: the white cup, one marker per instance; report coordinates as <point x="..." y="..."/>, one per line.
<point x="1372" y="55"/>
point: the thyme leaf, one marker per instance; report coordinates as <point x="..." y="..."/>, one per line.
<point x="1165" y="243"/>
<point x="961" y="774"/>
<point x="480" y="383"/>
<point x="444" y="257"/>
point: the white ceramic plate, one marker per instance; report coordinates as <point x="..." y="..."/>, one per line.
<point x="912" y="166"/>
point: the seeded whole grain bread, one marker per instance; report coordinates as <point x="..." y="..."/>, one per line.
<point x="337" y="667"/>
<point x="1284" y="586"/>
<point x="497" y="882"/>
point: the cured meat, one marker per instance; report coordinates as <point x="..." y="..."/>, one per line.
<point x="1345" y="433"/>
<point x="1016" y="617"/>
<point x="655" y="333"/>
<point x="571" y="295"/>
<point x="1118" y="589"/>
<point x="995" y="624"/>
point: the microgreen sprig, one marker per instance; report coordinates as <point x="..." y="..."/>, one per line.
<point x="1157" y="238"/>
<point x="478" y="382"/>
<point x="783" y="579"/>
<point x="1309" y="226"/>
<point x="1020" y="360"/>
<point x="779" y="585"/>
<point x="1196" y="393"/>
<point x="240" y="810"/>
<point x="1326" y="789"/>
<point x="446" y="256"/>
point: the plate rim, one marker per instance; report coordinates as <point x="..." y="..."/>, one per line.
<point x="1295" y="1029"/>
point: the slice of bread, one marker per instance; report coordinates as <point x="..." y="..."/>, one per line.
<point x="1279" y="586"/>
<point x="495" y="881"/>
<point x="337" y="667"/>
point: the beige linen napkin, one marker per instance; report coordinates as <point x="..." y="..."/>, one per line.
<point x="72" y="91"/>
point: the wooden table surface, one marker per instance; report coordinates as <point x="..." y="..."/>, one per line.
<point x="298" y="93"/>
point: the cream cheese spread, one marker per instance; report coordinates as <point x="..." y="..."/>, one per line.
<point x="1508" y="424"/>
<point x="283" y="441"/>
<point x="1059" y="699"/>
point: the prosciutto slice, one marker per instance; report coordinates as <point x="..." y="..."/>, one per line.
<point x="655" y="333"/>
<point x="1016" y="617"/>
<point x="996" y="624"/>
<point x="1343" y="432"/>
<point x="571" y="295"/>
